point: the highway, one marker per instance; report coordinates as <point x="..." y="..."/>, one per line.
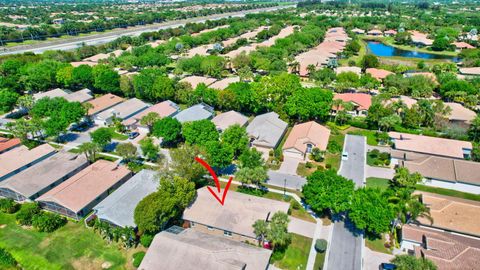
<point x="101" y="38"/>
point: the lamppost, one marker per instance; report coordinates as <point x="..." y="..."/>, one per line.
<point x="285" y="188"/>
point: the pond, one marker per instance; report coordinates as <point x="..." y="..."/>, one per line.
<point x="380" y="49"/>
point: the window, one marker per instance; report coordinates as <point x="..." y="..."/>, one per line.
<point x="210" y="228"/>
<point x="192" y="224"/>
<point x="227" y="233"/>
<point x="309" y="148"/>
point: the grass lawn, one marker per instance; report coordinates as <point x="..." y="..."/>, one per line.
<point x="448" y="192"/>
<point x="377" y="161"/>
<point x="296" y="255"/>
<point x="302" y="169"/>
<point x="71" y="247"/>
<point x="377" y="245"/>
<point x="116" y="135"/>
<point x="370" y="134"/>
<point x="319" y="260"/>
<point x="374" y="182"/>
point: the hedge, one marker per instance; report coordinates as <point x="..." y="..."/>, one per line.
<point x="137" y="258"/>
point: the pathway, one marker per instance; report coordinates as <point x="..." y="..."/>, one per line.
<point x="379" y="172"/>
<point x="373" y="259"/>
<point x="289" y="165"/>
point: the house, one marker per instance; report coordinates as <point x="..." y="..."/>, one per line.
<point x="43" y="176"/>
<point x="361" y="102"/>
<point x="234" y="219"/>
<point x="408" y="101"/>
<point x="118" y="208"/>
<point x="390" y="33"/>
<point x="81" y="96"/>
<point x="420" y="39"/>
<point x="470" y="71"/>
<point x="304" y="137"/>
<point x="194" y="81"/>
<point x="460" y="115"/>
<point x="58" y="21"/>
<point x="163" y="109"/>
<point x="411" y="146"/>
<point x="448" y="251"/>
<point x="230" y="118"/>
<point x="102" y="103"/>
<point x="462" y="45"/>
<point x="358" y="31"/>
<point x="79" y="63"/>
<point x="428" y="75"/>
<point x="7" y="144"/>
<point x="224" y="83"/>
<point x="451" y="213"/>
<point x="355" y="70"/>
<point x="21" y="158"/>
<point x="175" y="248"/>
<point x="374" y="32"/>
<point x="121" y="111"/>
<point x="103" y="56"/>
<point x="266" y="131"/>
<point x="196" y="112"/>
<point x="57" y="92"/>
<point x="377" y="73"/>
<point x="76" y="196"/>
<point x="449" y="173"/>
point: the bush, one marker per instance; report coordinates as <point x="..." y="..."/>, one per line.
<point x="375" y="153"/>
<point x="137" y="258"/>
<point x="295" y="205"/>
<point x="6" y="259"/>
<point x="334" y="147"/>
<point x="146" y="239"/>
<point x="384" y="156"/>
<point x="8" y="206"/>
<point x="308" y="165"/>
<point x="321" y="245"/>
<point x="26" y="213"/>
<point x="48" y="222"/>
<point x="328" y="166"/>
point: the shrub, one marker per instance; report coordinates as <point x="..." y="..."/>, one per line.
<point x="6" y="259"/>
<point x="48" y="222"/>
<point x="308" y="165"/>
<point x="26" y="213"/>
<point x="321" y="245"/>
<point x="146" y="239"/>
<point x="8" y="206"/>
<point x="137" y="258"/>
<point x="374" y="153"/>
<point x="384" y="156"/>
<point x="333" y="147"/>
<point x="320" y="168"/>
<point x="295" y="205"/>
<point x="328" y="166"/>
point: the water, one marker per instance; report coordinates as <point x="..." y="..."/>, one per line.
<point x="380" y="49"/>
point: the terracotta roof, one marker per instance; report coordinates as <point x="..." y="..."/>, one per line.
<point x="194" y="81"/>
<point x="7" y="144"/>
<point x="238" y="213"/>
<point x="390" y="32"/>
<point x="77" y="64"/>
<point x="21" y="156"/>
<point x="377" y="73"/>
<point x="309" y="132"/>
<point x="164" y="109"/>
<point x="460" y="113"/>
<point x="230" y="118"/>
<point x="463" y="45"/>
<point x="224" y="83"/>
<point x="104" y="102"/>
<point x="421" y="38"/>
<point x="364" y="101"/>
<point x="408" y="101"/>
<point x="375" y="32"/>
<point x="84" y="187"/>
<point x="358" y="31"/>
<point x="448" y="251"/>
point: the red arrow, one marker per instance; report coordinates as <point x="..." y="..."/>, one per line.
<point x="217" y="183"/>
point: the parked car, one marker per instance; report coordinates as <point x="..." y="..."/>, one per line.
<point x="133" y="135"/>
<point x="345" y="156"/>
<point x="387" y="266"/>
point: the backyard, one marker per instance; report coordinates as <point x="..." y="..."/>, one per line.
<point x="295" y="256"/>
<point x="70" y="247"/>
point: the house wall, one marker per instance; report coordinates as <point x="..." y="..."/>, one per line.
<point x="463" y="187"/>
<point x="8" y="193"/>
<point x="407" y="245"/>
<point x="218" y="232"/>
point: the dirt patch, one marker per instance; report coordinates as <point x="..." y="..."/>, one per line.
<point x="3" y="226"/>
<point x="85" y="263"/>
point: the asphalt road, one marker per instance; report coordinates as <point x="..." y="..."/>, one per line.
<point x="346" y="244"/>
<point x="97" y="39"/>
<point x="276" y="178"/>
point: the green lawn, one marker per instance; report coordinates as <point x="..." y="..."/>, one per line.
<point x="374" y="182"/>
<point x="71" y="247"/>
<point x="319" y="260"/>
<point x="448" y="192"/>
<point x="117" y="136"/>
<point x="373" y="160"/>
<point x="296" y="255"/>
<point x="370" y="134"/>
<point x="377" y="245"/>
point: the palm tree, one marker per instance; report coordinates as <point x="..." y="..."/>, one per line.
<point x="260" y="228"/>
<point x="295" y="67"/>
<point x="89" y="149"/>
<point x="311" y="69"/>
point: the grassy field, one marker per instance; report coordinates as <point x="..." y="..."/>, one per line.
<point x="377" y="245"/>
<point x="319" y="260"/>
<point x="71" y="247"/>
<point x="374" y="182"/>
<point x="116" y="135"/>
<point x="295" y="257"/>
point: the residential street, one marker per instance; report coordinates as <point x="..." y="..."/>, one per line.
<point x="278" y="179"/>
<point x="346" y="244"/>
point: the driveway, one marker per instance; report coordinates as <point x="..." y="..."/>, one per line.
<point x="279" y="179"/>
<point x="302" y="227"/>
<point x="373" y="259"/>
<point x="289" y="165"/>
<point x="372" y="171"/>
<point x="354" y="167"/>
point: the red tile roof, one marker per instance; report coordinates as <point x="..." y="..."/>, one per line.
<point x="6" y="143"/>
<point x="364" y="101"/>
<point x="377" y="73"/>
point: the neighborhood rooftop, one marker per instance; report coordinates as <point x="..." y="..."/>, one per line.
<point x="163" y="109"/>
<point x="191" y="249"/>
<point x="86" y="186"/>
<point x="307" y="133"/>
<point x="196" y="112"/>
<point x="104" y="102"/>
<point x="124" y="110"/>
<point x="238" y="213"/>
<point x="118" y="207"/>
<point x="267" y="129"/>
<point x="230" y="118"/>
<point x="21" y="158"/>
<point x="7" y="144"/>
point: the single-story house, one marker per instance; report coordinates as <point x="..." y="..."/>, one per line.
<point x="175" y="248"/>
<point x="81" y="96"/>
<point x="121" y="111"/>
<point x="266" y="131"/>
<point x="304" y="137"/>
<point x="196" y="112"/>
<point x="57" y="92"/>
<point x="420" y="39"/>
<point x="355" y="70"/>
<point x="234" y="219"/>
<point x="41" y="177"/>
<point x="378" y="73"/>
<point x="459" y="114"/>
<point x="102" y="103"/>
<point x="7" y="144"/>
<point x="448" y="251"/>
<point x="470" y="71"/>
<point x="358" y="31"/>
<point x="79" y="63"/>
<point x="224" y="83"/>
<point x="163" y="109"/>
<point x="426" y="145"/>
<point x="76" y="196"/>
<point x="230" y="118"/>
<point x="103" y="56"/>
<point x="118" y="208"/>
<point x="374" y="32"/>
<point x="21" y="158"/>
<point x="457" y="174"/>
<point x="390" y="33"/>
<point x="194" y="81"/>
<point x="408" y="101"/>
<point x="451" y="213"/>
<point x="462" y="45"/>
<point x="361" y="102"/>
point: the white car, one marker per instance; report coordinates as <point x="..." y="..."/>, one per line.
<point x="345" y="156"/>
